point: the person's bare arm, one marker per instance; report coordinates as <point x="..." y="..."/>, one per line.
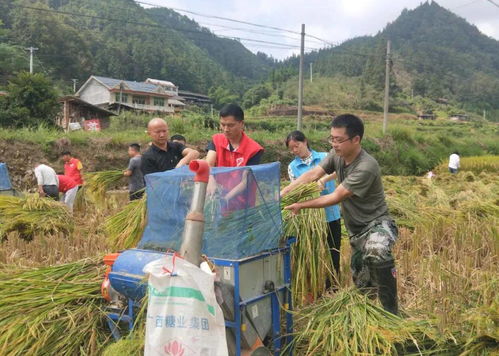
<point x="328" y="177"/>
<point x="40" y="190"/>
<point x="238" y="188"/>
<point x="307" y="177"/>
<point x="339" y="194"/>
<point x="189" y="155"/>
<point x="211" y="158"/>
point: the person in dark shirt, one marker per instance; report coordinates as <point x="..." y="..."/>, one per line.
<point x="179" y="138"/>
<point x="372" y="230"/>
<point x="163" y="155"/>
<point x="134" y="173"/>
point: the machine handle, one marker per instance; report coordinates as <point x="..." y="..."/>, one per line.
<point x="202" y="170"/>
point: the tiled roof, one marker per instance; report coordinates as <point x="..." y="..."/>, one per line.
<point x="135" y="86"/>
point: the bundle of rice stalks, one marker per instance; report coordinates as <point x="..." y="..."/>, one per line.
<point x="32" y="215"/>
<point x="311" y="259"/>
<point x="484" y="339"/>
<point x="348" y="323"/>
<point x="82" y="201"/>
<point x="52" y="310"/>
<point x="97" y="183"/>
<point x="125" y="228"/>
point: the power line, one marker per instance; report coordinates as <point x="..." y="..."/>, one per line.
<point x="234" y="20"/>
<point x="220" y="18"/>
<point x="148" y="25"/>
<point x="210" y="34"/>
<point x="274" y="34"/>
<point x="465" y="4"/>
<point x="493" y="3"/>
<point x="253" y="31"/>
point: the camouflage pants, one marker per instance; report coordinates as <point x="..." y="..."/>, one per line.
<point x="372" y="249"/>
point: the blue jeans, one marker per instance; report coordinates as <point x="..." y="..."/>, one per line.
<point x="453" y="170"/>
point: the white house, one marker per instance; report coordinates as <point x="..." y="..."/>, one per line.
<point x="152" y="95"/>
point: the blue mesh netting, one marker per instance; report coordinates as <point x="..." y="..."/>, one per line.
<point x="243" y="226"/>
<point x="4" y="177"/>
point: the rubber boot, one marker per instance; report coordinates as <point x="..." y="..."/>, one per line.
<point x="387" y="288"/>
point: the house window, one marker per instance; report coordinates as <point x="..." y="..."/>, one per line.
<point x="138" y="99"/>
<point x="159" y="101"/>
<point x="124" y="98"/>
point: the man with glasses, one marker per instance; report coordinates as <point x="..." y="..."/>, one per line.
<point x="372" y="231"/>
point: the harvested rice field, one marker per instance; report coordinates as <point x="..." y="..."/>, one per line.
<point x="446" y="254"/>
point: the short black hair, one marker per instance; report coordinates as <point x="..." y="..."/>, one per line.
<point x="456" y="153"/>
<point x="64" y="153"/>
<point x="135" y="146"/>
<point x="352" y="124"/>
<point x="178" y="138"/>
<point x="232" y="110"/>
<point x="296" y="136"/>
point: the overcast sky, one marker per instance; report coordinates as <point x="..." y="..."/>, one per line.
<point x="333" y="21"/>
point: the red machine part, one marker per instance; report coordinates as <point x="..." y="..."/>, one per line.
<point x="106" y="285"/>
<point x="202" y="170"/>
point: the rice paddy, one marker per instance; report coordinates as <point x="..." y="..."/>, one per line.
<point x="447" y="267"/>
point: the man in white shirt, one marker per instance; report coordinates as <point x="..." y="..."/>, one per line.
<point x="454" y="162"/>
<point x="48" y="183"/>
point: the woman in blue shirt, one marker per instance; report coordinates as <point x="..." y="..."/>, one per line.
<point x="305" y="160"/>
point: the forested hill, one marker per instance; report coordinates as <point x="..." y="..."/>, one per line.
<point x="435" y="54"/>
<point x="119" y="38"/>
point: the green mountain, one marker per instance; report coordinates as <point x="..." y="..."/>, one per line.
<point x="119" y="38"/>
<point x="435" y="55"/>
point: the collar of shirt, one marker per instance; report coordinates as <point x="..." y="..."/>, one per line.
<point x="159" y="149"/>
<point x="310" y="159"/>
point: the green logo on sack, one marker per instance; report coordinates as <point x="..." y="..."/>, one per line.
<point x="181" y="292"/>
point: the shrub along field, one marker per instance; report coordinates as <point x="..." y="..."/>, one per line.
<point x="411" y="147"/>
<point x="447" y="253"/>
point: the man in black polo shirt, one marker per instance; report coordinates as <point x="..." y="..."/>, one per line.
<point x="163" y="155"/>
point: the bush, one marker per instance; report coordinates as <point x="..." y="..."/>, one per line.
<point x="31" y="101"/>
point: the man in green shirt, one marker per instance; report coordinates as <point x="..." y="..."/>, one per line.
<point x="360" y="192"/>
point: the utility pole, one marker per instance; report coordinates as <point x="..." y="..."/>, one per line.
<point x="300" y="80"/>
<point x="311" y="71"/>
<point x="74" y="84"/>
<point x="31" y="51"/>
<point x="484" y="112"/>
<point x="387" y="87"/>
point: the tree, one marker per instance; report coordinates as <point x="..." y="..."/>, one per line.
<point x="254" y="95"/>
<point x="222" y="96"/>
<point x="12" y="58"/>
<point x="31" y="101"/>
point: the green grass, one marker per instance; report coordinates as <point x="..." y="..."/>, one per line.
<point x="410" y="146"/>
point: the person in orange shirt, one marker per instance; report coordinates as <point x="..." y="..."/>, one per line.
<point x="72" y="168"/>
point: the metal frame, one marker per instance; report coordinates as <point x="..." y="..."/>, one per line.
<point x="113" y="318"/>
<point x="277" y="340"/>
